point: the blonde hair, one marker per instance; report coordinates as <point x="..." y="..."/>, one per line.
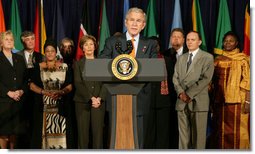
<point x="3" y="35"/>
<point x="137" y="10"/>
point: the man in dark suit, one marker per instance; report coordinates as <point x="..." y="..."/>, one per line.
<point x="31" y="58"/>
<point x="192" y="75"/>
<point x="144" y="48"/>
<point x="177" y="42"/>
<point x="28" y="40"/>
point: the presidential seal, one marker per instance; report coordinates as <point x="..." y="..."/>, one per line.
<point x="124" y="67"/>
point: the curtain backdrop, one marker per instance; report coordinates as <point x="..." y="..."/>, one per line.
<point x="72" y="11"/>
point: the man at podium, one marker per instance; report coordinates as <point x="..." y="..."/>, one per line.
<point x="142" y="48"/>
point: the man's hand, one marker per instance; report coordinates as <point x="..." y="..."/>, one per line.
<point x="184" y="97"/>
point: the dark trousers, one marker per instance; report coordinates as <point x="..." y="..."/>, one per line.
<point x="90" y="118"/>
<point x="162" y="129"/>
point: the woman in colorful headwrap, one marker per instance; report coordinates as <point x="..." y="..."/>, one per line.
<point x="231" y="100"/>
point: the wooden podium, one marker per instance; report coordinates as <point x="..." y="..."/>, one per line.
<point x="124" y="96"/>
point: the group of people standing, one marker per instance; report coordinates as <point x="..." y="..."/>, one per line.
<point x="46" y="103"/>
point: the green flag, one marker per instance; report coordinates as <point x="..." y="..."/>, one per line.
<point x="223" y="25"/>
<point x="198" y="23"/>
<point x="15" y="25"/>
<point x="151" y="29"/>
<point x="103" y="28"/>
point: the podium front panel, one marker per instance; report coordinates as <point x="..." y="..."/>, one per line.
<point x="149" y="69"/>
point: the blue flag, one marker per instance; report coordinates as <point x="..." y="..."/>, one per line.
<point x="125" y="10"/>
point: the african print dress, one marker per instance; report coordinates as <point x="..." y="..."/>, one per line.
<point x="54" y="125"/>
<point x="231" y="83"/>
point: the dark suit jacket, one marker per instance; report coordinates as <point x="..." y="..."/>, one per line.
<point x="12" y="77"/>
<point x="37" y="57"/>
<point x="29" y="102"/>
<point x="86" y="89"/>
<point x="171" y="53"/>
<point x="195" y="81"/>
<point x="146" y="49"/>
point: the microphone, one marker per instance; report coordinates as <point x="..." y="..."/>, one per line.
<point x="129" y="47"/>
<point x="118" y="46"/>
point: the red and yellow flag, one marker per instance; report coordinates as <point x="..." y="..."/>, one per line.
<point x="247" y="23"/>
<point x="39" y="27"/>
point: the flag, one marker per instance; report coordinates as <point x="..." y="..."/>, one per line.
<point x="58" y="31"/>
<point x="246" y="48"/>
<point x="150" y="29"/>
<point x="103" y="28"/>
<point x="223" y="25"/>
<point x="85" y="28"/>
<point x="42" y="28"/>
<point x="198" y="23"/>
<point x="86" y="18"/>
<point x="79" y="52"/>
<point x="15" y="25"/>
<point x="2" y="23"/>
<point x="37" y="28"/>
<point x="177" y="19"/>
<point x="125" y="10"/>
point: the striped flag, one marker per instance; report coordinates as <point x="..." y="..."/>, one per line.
<point x="79" y="52"/>
<point x="85" y="29"/>
<point x="39" y="28"/>
<point x="43" y="28"/>
<point x="2" y="22"/>
<point x="247" y="23"/>
<point x="198" y="23"/>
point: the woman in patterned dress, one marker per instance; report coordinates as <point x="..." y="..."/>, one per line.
<point x="231" y="85"/>
<point x="50" y="81"/>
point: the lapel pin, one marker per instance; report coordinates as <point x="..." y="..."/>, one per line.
<point x="144" y="49"/>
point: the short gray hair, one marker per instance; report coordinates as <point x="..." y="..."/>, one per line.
<point x="26" y="34"/>
<point x="137" y="10"/>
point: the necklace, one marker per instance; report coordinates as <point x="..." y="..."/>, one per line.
<point x="51" y="68"/>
